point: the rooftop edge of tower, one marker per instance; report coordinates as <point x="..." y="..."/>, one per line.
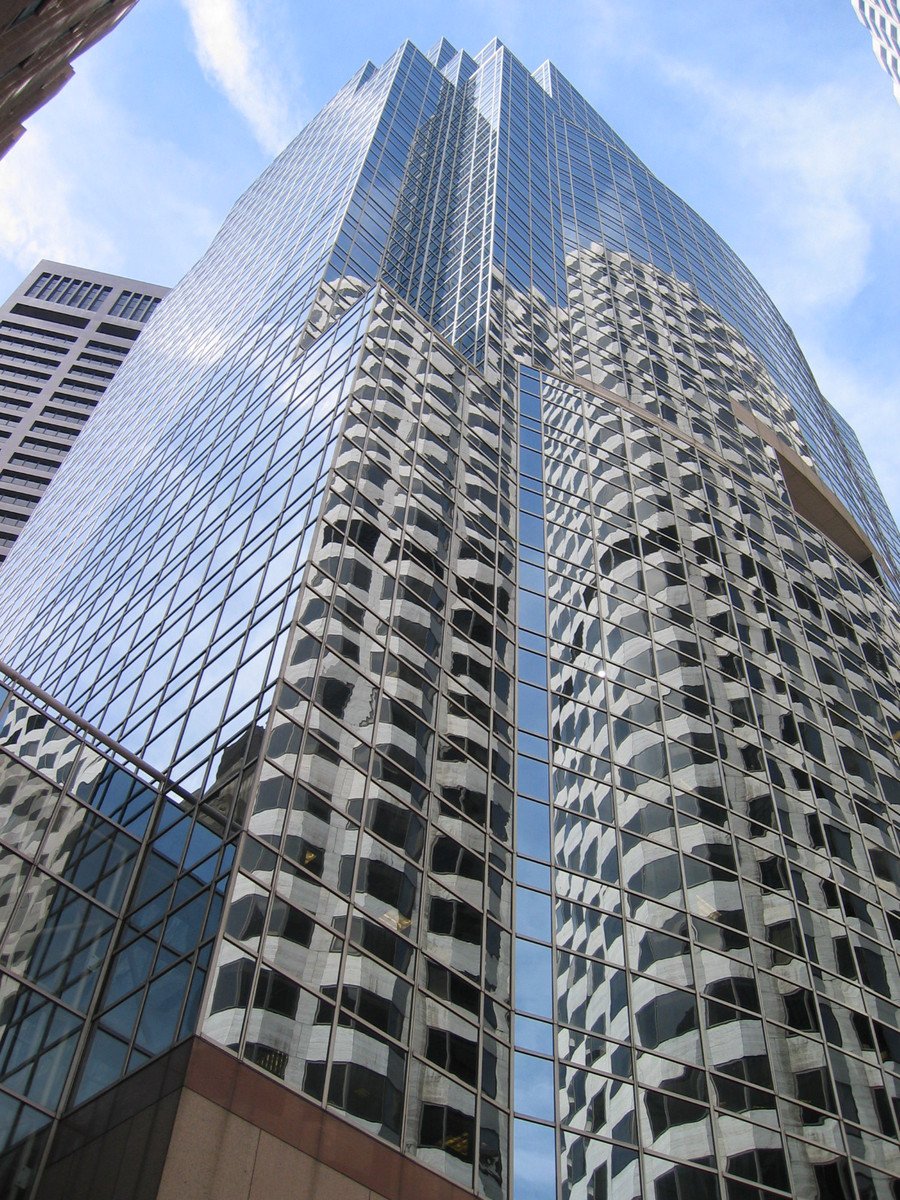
<point x="489" y="50"/>
<point x="363" y="75"/>
<point x="441" y="53"/>
<point x="545" y="75"/>
<point x="460" y="68"/>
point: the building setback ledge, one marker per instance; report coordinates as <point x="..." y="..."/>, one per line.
<point x="810" y="496"/>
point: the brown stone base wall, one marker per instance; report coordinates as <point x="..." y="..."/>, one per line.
<point x="200" y="1125"/>
<point x="115" y="1146"/>
<point x="214" y="1153"/>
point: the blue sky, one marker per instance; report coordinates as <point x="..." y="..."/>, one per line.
<point x="771" y="118"/>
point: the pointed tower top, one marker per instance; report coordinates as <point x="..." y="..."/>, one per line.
<point x="441" y="53"/>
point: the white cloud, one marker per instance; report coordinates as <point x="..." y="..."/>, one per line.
<point x="821" y="173"/>
<point x="38" y="218"/>
<point x="230" y="54"/>
<point x="87" y="185"/>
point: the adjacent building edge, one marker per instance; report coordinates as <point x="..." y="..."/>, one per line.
<point x="198" y="1124"/>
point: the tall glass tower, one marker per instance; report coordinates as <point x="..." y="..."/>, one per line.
<point x="455" y="748"/>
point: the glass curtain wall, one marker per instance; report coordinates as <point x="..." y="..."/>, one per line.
<point x="490" y="562"/>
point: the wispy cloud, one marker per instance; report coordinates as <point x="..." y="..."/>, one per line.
<point x="822" y="175"/>
<point x="231" y="54"/>
<point x="143" y="207"/>
<point x="38" y="215"/>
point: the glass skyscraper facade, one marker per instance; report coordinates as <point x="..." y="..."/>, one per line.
<point x="470" y="562"/>
<point x="882" y="19"/>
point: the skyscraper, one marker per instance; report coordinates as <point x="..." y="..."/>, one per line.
<point x="456" y="746"/>
<point x="38" y="40"/>
<point x="63" y="335"/>
<point x="882" y="19"/>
